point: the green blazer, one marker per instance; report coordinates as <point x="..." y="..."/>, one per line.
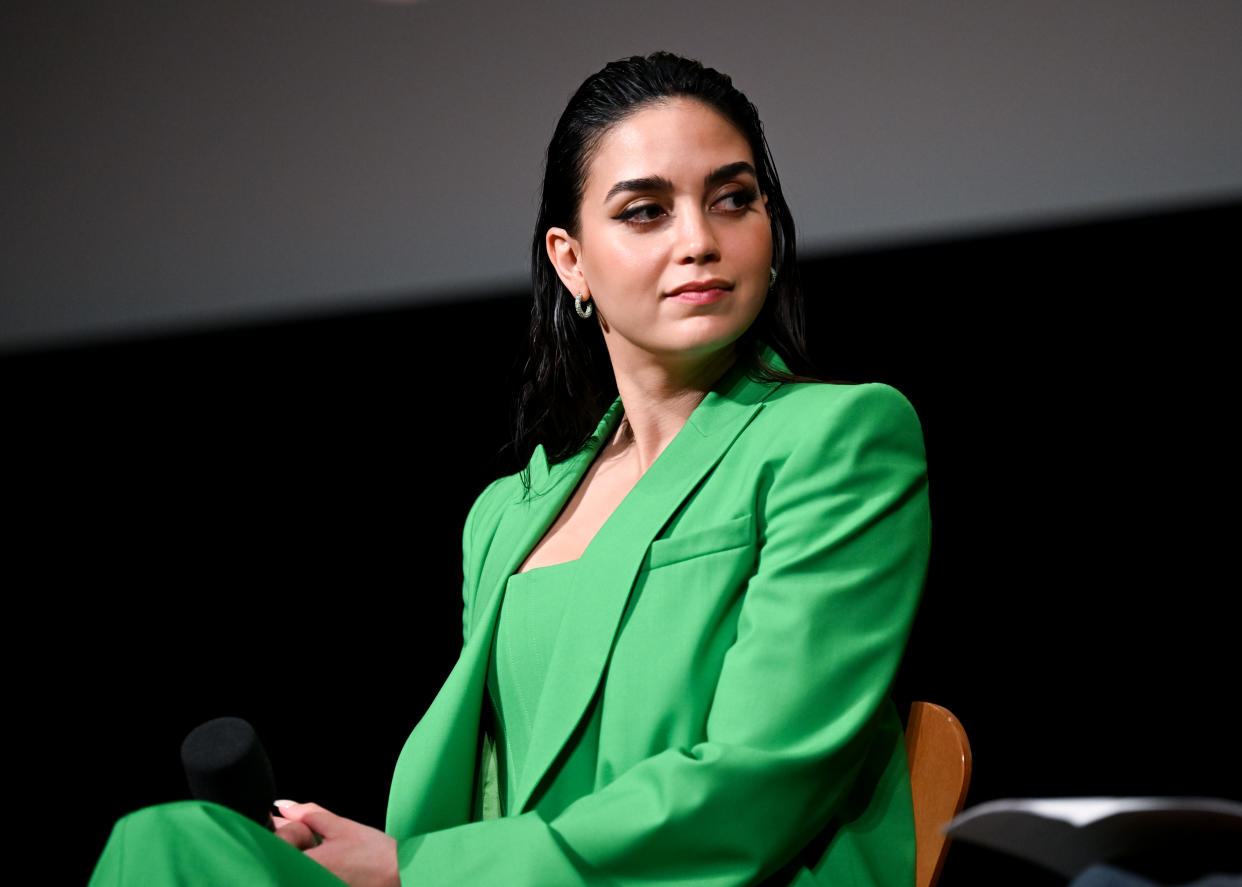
<point x="754" y="595"/>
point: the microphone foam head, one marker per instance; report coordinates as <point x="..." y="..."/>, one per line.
<point x="224" y="762"/>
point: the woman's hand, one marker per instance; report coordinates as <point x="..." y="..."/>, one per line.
<point x="359" y="855"/>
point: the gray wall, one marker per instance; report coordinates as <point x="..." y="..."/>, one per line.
<point x="178" y="164"/>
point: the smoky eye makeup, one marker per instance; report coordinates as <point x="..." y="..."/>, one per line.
<point x="641" y="213"/>
<point x="742" y="193"/>
<point x="742" y="197"/>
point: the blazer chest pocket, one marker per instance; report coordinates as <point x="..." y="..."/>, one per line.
<point x="736" y="533"/>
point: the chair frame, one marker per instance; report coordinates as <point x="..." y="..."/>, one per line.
<point x="938" y="754"/>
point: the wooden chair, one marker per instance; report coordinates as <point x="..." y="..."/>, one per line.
<point x="939" y="757"/>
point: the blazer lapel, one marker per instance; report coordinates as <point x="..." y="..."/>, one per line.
<point x="585" y="640"/>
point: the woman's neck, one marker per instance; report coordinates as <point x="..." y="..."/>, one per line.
<point x="658" y="398"/>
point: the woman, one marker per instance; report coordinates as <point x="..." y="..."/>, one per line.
<point x="682" y="618"/>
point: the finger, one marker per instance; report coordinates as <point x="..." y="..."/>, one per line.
<point x="321" y="821"/>
<point x="284" y="804"/>
<point x="299" y="835"/>
<point x="324" y="822"/>
<point x="294" y="811"/>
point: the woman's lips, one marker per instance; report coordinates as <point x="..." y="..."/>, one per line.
<point x="701" y="297"/>
<point x="701" y="292"/>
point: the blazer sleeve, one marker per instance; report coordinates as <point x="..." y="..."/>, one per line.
<point x="843" y="542"/>
<point x="485" y="511"/>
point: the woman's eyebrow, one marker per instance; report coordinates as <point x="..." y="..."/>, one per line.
<point x="647" y="183"/>
<point x="729" y="171"/>
<point x="660" y="183"/>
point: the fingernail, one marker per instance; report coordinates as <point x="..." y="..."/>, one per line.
<point x="284" y="803"/>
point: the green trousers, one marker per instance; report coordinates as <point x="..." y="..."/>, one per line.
<point x="196" y="843"/>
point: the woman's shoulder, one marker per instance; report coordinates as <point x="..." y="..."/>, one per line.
<point x="490" y="504"/>
<point x="840" y="407"/>
<point x="804" y="430"/>
<point x="813" y="436"/>
<point x="524" y="486"/>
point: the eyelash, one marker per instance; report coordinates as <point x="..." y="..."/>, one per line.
<point x="744" y="197"/>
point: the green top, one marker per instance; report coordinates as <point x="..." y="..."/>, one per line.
<point x="531" y="617"/>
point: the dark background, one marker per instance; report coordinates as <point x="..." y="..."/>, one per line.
<point x="265" y="521"/>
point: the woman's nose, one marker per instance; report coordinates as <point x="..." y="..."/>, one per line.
<point x="696" y="240"/>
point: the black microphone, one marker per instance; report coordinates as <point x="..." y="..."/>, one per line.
<point x="225" y="762"/>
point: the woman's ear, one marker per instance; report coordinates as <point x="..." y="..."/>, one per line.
<point x="564" y="252"/>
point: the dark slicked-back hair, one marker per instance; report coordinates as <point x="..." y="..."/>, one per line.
<point x="568" y="380"/>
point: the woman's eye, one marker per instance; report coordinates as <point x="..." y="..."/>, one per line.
<point x="737" y="200"/>
<point x="643" y="212"/>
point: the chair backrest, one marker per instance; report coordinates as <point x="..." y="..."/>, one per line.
<point x="939" y="757"/>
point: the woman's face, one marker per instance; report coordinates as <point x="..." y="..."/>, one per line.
<point x="674" y="244"/>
